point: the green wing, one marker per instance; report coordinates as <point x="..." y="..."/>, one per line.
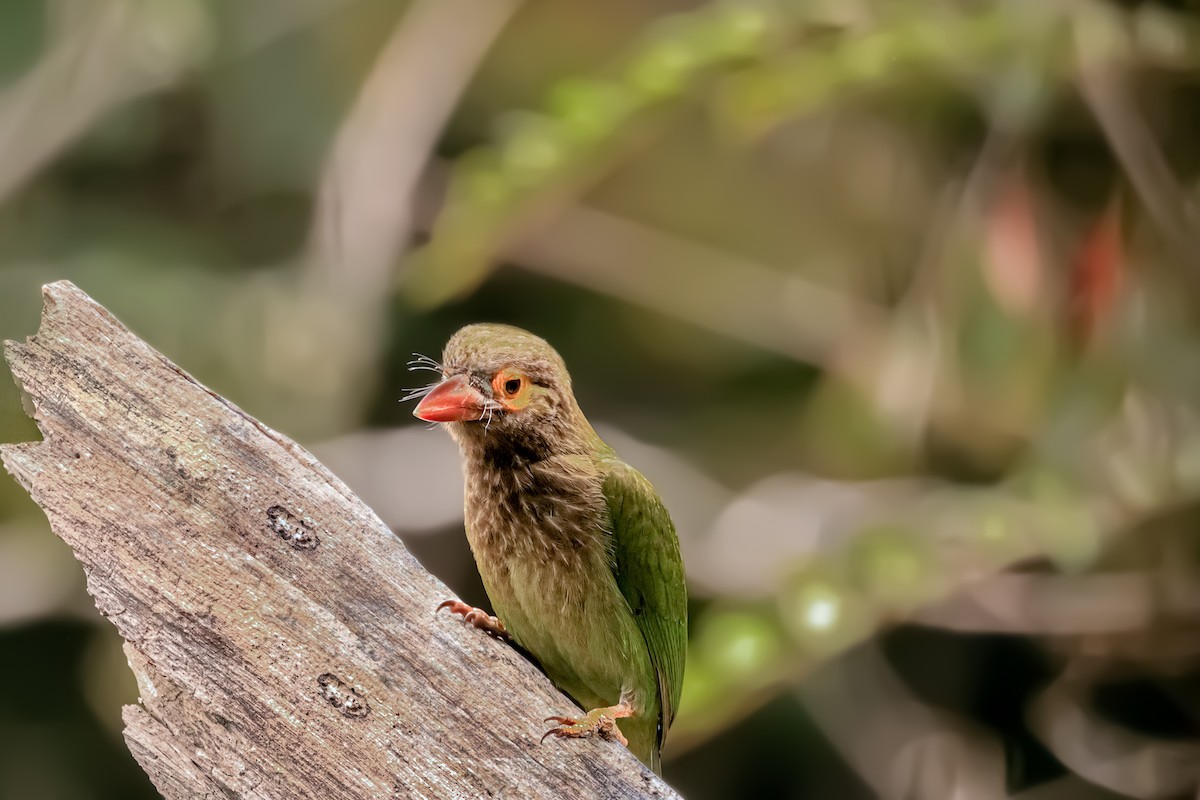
<point x="649" y="573"/>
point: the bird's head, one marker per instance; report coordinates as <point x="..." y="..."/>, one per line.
<point x="504" y="387"/>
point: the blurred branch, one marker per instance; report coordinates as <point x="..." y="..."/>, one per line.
<point x="768" y="308"/>
<point x="106" y="53"/>
<point x="364" y="212"/>
<point x="900" y="747"/>
<point x="765" y="307"/>
<point x="1044" y="604"/>
<point x="1110" y="755"/>
<point x="546" y="158"/>
<point x="100" y="57"/>
<point x="363" y="219"/>
<point x="285" y="643"/>
<point x="254" y="25"/>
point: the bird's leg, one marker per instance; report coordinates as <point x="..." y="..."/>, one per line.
<point x="599" y="720"/>
<point x="477" y="617"/>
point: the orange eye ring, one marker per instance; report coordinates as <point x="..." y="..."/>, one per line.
<point x="510" y="388"/>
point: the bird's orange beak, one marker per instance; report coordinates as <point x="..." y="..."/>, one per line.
<point x="452" y="400"/>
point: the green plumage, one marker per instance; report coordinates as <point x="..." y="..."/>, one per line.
<point x="576" y="550"/>
<point x="649" y="573"/>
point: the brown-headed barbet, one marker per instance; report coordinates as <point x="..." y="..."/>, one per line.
<point x="577" y="553"/>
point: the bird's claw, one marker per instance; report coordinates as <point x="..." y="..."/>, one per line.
<point x="602" y="721"/>
<point x="477" y="617"/>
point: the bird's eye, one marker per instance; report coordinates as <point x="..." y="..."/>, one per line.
<point x="508" y="384"/>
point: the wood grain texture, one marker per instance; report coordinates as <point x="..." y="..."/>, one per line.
<point x="284" y="640"/>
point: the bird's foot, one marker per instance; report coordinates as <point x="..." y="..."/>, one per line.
<point x="478" y="618"/>
<point x="599" y="720"/>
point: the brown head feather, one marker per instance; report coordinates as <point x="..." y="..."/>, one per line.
<point x="551" y="424"/>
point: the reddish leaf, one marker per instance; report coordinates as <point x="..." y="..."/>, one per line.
<point x="1096" y="275"/>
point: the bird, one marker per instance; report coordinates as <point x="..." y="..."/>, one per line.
<point x="577" y="552"/>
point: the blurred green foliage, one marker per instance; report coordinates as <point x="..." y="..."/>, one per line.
<point x="864" y="282"/>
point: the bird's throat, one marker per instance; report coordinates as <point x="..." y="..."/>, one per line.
<point x="539" y="508"/>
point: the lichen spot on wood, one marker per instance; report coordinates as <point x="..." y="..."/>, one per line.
<point x="345" y="698"/>
<point x="299" y="532"/>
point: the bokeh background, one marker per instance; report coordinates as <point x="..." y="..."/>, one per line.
<point x="894" y="300"/>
